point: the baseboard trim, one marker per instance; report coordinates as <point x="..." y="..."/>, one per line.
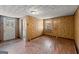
<point x="34" y="38"/>
<point x="58" y="36"/>
<point x="65" y="38"/>
<point x="10" y="39"/>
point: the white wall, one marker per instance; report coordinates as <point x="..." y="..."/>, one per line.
<point x="9" y="28"/>
<point x="25" y="28"/>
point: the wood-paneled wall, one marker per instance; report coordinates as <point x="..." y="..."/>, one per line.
<point x="34" y="27"/>
<point x="17" y="32"/>
<point x="76" y="17"/>
<point x="62" y="27"/>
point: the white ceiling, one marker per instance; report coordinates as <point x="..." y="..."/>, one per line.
<point x="42" y="11"/>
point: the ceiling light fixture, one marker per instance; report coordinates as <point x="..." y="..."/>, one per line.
<point x="33" y="12"/>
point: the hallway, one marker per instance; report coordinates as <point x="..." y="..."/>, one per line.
<point x="43" y="44"/>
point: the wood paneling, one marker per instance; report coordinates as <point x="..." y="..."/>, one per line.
<point x="76" y="17"/>
<point x="34" y="27"/>
<point x="17" y="34"/>
<point x="62" y="27"/>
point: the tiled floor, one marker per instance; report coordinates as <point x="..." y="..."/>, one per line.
<point x="41" y="45"/>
